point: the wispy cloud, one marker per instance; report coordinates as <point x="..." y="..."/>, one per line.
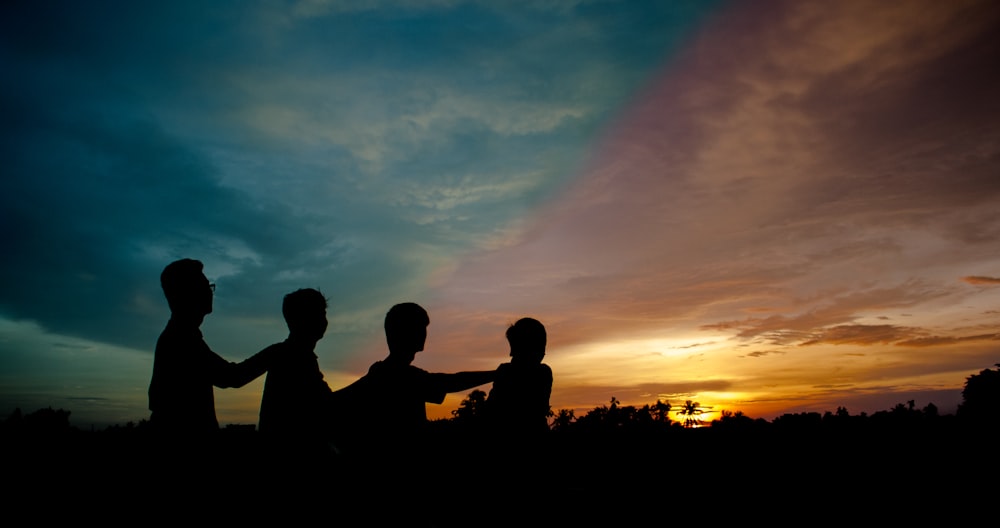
<point x="860" y="335"/>
<point x="940" y="340"/>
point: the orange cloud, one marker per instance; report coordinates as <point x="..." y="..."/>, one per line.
<point x="980" y="280"/>
<point x="862" y="335"/>
<point x="943" y="340"/>
<point x="762" y="353"/>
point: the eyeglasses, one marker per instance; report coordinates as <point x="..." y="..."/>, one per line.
<point x="211" y="286"/>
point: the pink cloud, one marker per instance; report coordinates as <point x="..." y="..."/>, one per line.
<point x="814" y="162"/>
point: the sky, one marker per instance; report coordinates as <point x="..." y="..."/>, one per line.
<point x="767" y="207"/>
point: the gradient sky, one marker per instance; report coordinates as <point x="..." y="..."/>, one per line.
<point x="761" y="206"/>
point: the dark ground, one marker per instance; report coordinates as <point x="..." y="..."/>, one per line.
<point x="947" y="477"/>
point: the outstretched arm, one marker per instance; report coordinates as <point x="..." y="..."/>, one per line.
<point x="227" y="374"/>
<point x="460" y="381"/>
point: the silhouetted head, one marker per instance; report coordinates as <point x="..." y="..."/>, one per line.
<point x="305" y="313"/>
<point x="406" y="329"/>
<point x="187" y="290"/>
<point x="527" y="340"/>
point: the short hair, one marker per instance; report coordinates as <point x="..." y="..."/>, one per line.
<point x="406" y="317"/>
<point x="302" y="303"/>
<point x="179" y="279"/>
<point x="526" y="334"/>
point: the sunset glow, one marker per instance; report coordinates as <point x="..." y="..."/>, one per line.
<point x="767" y="207"/>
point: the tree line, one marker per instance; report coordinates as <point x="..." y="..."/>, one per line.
<point x="980" y="406"/>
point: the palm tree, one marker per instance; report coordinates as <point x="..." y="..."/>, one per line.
<point x="692" y="411"/>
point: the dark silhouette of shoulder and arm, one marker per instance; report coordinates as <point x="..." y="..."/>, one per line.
<point x="185" y="369"/>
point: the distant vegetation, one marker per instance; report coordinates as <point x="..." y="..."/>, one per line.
<point x="613" y="464"/>
<point x="980" y="407"/>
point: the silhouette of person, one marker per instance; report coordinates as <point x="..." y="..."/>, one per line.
<point x="391" y="398"/>
<point x="516" y="411"/>
<point x="387" y="447"/>
<point x="296" y="404"/>
<point x="518" y="403"/>
<point x="185" y="369"/>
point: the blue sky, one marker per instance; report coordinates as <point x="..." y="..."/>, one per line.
<point x="584" y="162"/>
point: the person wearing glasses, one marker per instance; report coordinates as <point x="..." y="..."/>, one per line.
<point x="185" y="369"/>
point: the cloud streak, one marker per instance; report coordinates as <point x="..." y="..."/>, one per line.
<point x="981" y="281"/>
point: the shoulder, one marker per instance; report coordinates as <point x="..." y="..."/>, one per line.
<point x="382" y="370"/>
<point x="505" y="370"/>
<point x="417" y="371"/>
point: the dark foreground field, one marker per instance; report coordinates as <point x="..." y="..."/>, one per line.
<point x="942" y="475"/>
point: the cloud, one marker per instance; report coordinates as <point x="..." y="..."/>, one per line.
<point x="831" y="310"/>
<point x="319" y="8"/>
<point x="259" y="140"/>
<point x="732" y="187"/>
<point x="792" y="177"/>
<point x="788" y="173"/>
<point x="762" y="353"/>
<point x="945" y="340"/>
<point x="981" y="281"/>
<point x="860" y="335"/>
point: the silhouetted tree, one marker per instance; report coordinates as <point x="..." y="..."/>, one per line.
<point x="981" y="397"/>
<point x="14" y="421"/>
<point x="471" y="408"/>
<point x="733" y="421"/>
<point x="661" y="412"/>
<point x="691" y="412"/>
<point x="611" y="417"/>
<point x="799" y="422"/>
<point x="563" y="419"/>
<point x="47" y="421"/>
<point x="596" y="416"/>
